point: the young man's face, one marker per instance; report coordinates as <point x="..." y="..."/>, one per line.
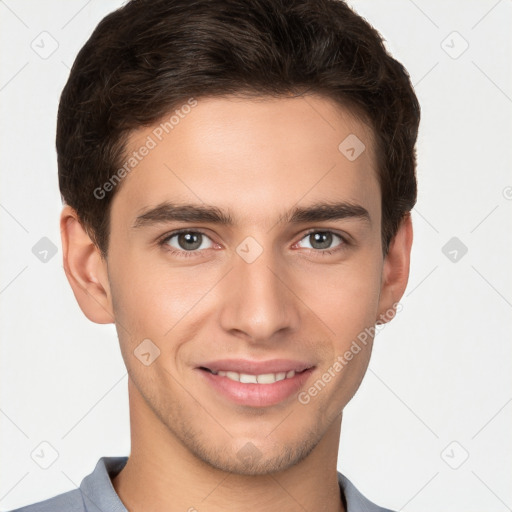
<point x="262" y="289"/>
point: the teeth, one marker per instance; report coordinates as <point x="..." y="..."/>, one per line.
<point x="232" y="376"/>
<point x="248" y="379"/>
<point x="265" y="378"/>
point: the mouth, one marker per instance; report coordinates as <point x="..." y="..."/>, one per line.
<point x="247" y="378"/>
<point x="255" y="384"/>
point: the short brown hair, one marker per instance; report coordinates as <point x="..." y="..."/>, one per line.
<point x="150" y="56"/>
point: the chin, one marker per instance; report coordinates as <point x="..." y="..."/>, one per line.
<point x="253" y="461"/>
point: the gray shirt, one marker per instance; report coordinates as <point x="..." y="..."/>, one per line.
<point x="96" y="493"/>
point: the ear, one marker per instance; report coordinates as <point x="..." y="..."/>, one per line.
<point x="395" y="271"/>
<point x="85" y="269"/>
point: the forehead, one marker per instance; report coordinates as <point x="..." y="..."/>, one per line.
<point x="251" y="157"/>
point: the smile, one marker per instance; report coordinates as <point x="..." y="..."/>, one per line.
<point x="255" y="390"/>
<point x="246" y="378"/>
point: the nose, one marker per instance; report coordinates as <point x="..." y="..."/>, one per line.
<point x="258" y="300"/>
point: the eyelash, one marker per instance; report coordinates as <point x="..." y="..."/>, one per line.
<point x="187" y="254"/>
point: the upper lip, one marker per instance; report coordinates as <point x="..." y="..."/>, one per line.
<point x="256" y="367"/>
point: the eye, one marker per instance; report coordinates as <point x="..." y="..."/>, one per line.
<point x="186" y="241"/>
<point x="322" y="241"/>
<point x="189" y="243"/>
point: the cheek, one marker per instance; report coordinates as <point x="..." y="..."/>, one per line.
<point x="349" y="308"/>
<point x="346" y="297"/>
<point x="150" y="301"/>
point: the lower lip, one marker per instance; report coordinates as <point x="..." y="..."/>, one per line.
<point x="257" y="395"/>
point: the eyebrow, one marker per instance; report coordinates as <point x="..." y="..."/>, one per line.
<point x="168" y="212"/>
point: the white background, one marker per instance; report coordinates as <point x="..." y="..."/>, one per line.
<point x="440" y="375"/>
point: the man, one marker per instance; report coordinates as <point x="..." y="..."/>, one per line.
<point x="238" y="178"/>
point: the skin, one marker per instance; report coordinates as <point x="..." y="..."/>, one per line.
<point x="255" y="159"/>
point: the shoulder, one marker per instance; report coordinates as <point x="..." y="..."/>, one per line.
<point x="70" y="501"/>
<point x="95" y="493"/>
<point x="355" y="500"/>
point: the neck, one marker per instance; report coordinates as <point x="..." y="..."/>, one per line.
<point x="162" y="474"/>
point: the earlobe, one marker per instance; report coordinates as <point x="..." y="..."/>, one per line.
<point x="85" y="269"/>
<point x="395" y="271"/>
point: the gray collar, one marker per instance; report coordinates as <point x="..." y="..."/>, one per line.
<point x="99" y="494"/>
